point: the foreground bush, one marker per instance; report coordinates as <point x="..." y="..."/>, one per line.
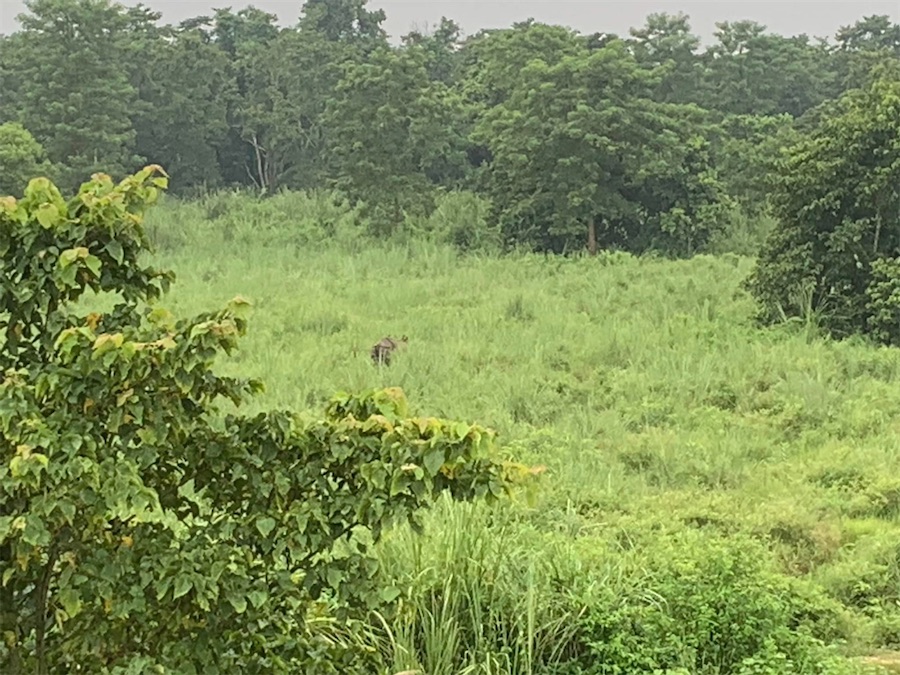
<point x="141" y="525"/>
<point x="489" y="592"/>
<point x="702" y="605"/>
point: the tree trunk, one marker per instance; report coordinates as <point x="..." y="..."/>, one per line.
<point x="592" y="237"/>
<point x="266" y="175"/>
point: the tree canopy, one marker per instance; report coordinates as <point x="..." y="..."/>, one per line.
<point x="837" y="200"/>
<point x="669" y="155"/>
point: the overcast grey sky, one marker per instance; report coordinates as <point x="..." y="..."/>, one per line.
<point x="788" y="17"/>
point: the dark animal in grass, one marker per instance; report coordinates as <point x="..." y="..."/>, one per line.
<point x="382" y="351"/>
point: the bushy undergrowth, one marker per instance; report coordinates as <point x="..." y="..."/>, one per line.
<point x="296" y="220"/>
<point x="698" y="467"/>
<point x="486" y="591"/>
<point x="459" y="219"/>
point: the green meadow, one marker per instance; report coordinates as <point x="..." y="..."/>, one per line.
<point x="713" y="492"/>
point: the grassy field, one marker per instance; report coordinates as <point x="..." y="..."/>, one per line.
<point x="701" y="471"/>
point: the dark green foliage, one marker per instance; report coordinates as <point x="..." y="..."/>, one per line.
<point x="665" y="41"/>
<point x="235" y="100"/>
<point x="581" y="147"/>
<point x="441" y="48"/>
<point x="245" y="36"/>
<point x="346" y="21"/>
<point x="681" y="201"/>
<point x="146" y="524"/>
<point x="21" y="157"/>
<point x="883" y="293"/>
<point x="494" y="60"/>
<point x="747" y="148"/>
<point x="288" y="84"/>
<point x="749" y="71"/>
<point x="77" y="106"/>
<point x="187" y="89"/>
<point x="870" y="41"/>
<point x="394" y="136"/>
<point x="836" y="198"/>
<point x="705" y="607"/>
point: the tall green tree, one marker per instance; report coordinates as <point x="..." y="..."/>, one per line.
<point x="74" y="92"/>
<point x="346" y="21"/>
<point x="287" y="80"/>
<point x="10" y="105"/>
<point x="235" y="31"/>
<point x="393" y="134"/>
<point x="442" y="48"/>
<point x="837" y="200"/>
<point x="582" y="155"/>
<point x="186" y="85"/>
<point x="871" y="33"/>
<point x="289" y="84"/>
<point x="244" y="36"/>
<point x="491" y="67"/>
<point x="863" y="46"/>
<point x="666" y="41"/>
<point x="21" y="158"/>
<point x="752" y="72"/>
<point x="493" y="60"/>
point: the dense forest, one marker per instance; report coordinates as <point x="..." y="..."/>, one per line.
<point x="649" y="294"/>
<point x="637" y="142"/>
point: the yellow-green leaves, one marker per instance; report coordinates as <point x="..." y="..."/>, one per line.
<point x="48" y="215"/>
<point x="71" y="261"/>
<point x="143" y="504"/>
<point x="10" y="210"/>
<point x="73" y="255"/>
<point x="160" y="316"/>
<point x="239" y="306"/>
<point x="106" y="342"/>
<point x="70" y="600"/>
<point x="265" y="525"/>
<point x="26" y="462"/>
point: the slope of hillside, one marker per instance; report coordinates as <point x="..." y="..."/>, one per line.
<point x="684" y="446"/>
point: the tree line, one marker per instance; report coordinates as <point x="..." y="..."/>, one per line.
<point x="640" y="142"/>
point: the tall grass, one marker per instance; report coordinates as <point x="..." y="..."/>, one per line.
<point x="668" y="422"/>
<point x="477" y="595"/>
